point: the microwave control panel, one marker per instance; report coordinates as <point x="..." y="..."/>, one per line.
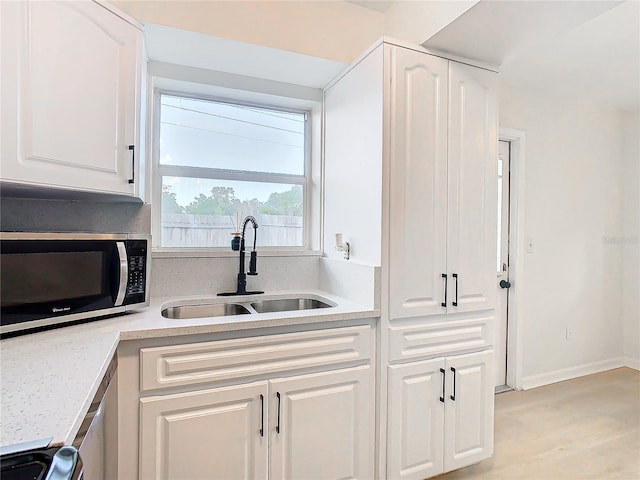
<point x="137" y="278"/>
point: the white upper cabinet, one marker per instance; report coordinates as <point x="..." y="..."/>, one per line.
<point x="418" y="183"/>
<point x="442" y="185"/>
<point x="472" y="200"/>
<point x="71" y="80"/>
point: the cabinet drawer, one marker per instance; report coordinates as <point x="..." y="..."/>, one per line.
<point x="197" y="363"/>
<point x="432" y="338"/>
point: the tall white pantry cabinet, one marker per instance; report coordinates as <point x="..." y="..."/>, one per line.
<point x="435" y="132"/>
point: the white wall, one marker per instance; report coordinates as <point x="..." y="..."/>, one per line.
<point x="629" y="241"/>
<point x="573" y="206"/>
<point x="335" y="30"/>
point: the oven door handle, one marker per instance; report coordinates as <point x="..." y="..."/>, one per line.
<point x="65" y="465"/>
<point x="124" y="273"/>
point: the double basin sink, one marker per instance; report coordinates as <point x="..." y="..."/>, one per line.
<point x="243" y="308"/>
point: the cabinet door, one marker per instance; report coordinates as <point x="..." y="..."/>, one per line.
<point x="468" y="431"/>
<point x="418" y="183"/>
<point x="71" y="91"/>
<point x="472" y="181"/>
<point x="415" y="420"/>
<point x="208" y="434"/>
<point x="322" y="426"/>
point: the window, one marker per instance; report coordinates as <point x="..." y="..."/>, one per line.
<point x="219" y="161"/>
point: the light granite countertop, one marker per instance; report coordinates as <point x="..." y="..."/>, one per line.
<point x="48" y="379"/>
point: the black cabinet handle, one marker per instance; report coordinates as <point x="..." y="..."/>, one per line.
<point x="133" y="163"/>
<point x="444" y="304"/>
<point x="453" y="397"/>
<point x="442" y="371"/>
<point x="261" y="415"/>
<point x="505" y="284"/>
<point x="455" y="303"/>
<point x="278" y="424"/>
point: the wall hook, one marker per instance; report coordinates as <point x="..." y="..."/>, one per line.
<point x="343" y="246"/>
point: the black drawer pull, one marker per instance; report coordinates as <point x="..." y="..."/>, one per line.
<point x="133" y="163"/>
<point x="261" y="415"/>
<point x="444" y="304"/>
<point x="278" y="424"/>
<point x="453" y="397"/>
<point x="455" y="303"/>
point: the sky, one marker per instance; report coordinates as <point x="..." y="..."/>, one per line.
<point x="200" y="133"/>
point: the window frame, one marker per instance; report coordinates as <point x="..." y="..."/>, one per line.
<point x="159" y="171"/>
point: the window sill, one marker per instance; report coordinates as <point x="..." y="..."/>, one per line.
<point x="215" y="253"/>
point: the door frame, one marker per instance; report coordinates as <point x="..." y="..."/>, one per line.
<point x="517" y="251"/>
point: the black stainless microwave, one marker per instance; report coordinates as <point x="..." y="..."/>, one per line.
<point x="53" y="278"/>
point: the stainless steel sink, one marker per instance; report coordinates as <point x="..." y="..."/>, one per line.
<point x="203" y="311"/>
<point x="288" y="304"/>
<point x="221" y="309"/>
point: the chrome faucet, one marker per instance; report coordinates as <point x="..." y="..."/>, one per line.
<point x="241" y="288"/>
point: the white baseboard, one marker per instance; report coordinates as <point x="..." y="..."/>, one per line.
<point x="541" y="379"/>
<point x="631" y="363"/>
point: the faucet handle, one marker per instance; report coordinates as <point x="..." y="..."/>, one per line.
<point x="253" y="260"/>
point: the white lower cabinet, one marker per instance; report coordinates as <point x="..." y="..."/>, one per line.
<point x="318" y="425"/>
<point x="314" y="426"/>
<point x="204" y="434"/>
<point x="416" y="420"/>
<point x="440" y="415"/>
<point x="468" y="420"/>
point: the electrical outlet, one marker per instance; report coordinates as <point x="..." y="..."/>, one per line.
<point x="569" y="333"/>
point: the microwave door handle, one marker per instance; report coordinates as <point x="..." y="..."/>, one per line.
<point x="124" y="273"/>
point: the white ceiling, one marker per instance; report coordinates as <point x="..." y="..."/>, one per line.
<point x="596" y="62"/>
<point x="584" y="50"/>
<point x="377" y="5"/>
<point x="495" y="31"/>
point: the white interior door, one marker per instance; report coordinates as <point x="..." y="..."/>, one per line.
<point x="502" y="264"/>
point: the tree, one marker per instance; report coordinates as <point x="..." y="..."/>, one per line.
<point x="169" y="201"/>
<point x="222" y="201"/>
<point x="285" y="203"/>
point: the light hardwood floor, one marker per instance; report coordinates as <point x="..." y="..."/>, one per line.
<point x="586" y="428"/>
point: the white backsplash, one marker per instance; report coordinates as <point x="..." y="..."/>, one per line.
<point x="193" y="276"/>
<point x="210" y="276"/>
<point x="355" y="282"/>
<point x="37" y="215"/>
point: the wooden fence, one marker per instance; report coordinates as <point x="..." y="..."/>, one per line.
<point x="189" y="230"/>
